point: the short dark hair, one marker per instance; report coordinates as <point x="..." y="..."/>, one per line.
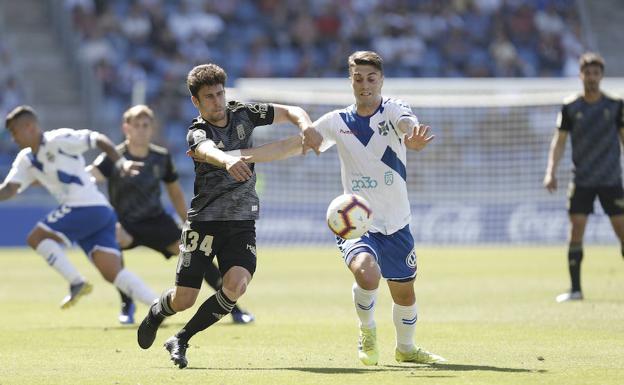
<point x="19" y="112"/>
<point x="591" y="58"/>
<point x="366" y="58"/>
<point x="205" y="75"/>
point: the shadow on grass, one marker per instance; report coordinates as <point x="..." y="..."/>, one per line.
<point x="469" y="368"/>
<point x="309" y="369"/>
<point x="415" y="370"/>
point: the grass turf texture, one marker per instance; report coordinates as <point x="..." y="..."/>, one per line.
<point x="489" y="311"/>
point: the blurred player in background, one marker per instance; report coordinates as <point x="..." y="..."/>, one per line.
<point x="221" y="220"/>
<point x="372" y="136"/>
<point x="595" y="123"/>
<point x="54" y="159"/>
<point x="143" y="220"/>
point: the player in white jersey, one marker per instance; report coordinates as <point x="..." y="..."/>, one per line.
<point x="54" y="159"/>
<point x="372" y="136"/>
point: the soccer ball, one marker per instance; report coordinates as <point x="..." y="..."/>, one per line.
<point x="349" y="216"/>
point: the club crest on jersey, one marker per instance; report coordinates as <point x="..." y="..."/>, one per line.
<point x="199" y="135"/>
<point x="383" y="128"/>
<point x="579" y="115"/>
<point x="388" y="178"/>
<point x="186" y="259"/>
<point x="240" y="130"/>
<point x="156" y="171"/>
<point x="411" y="259"/>
<point x="50" y="157"/>
<point x="607" y="114"/>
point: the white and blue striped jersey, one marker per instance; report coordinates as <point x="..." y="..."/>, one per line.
<point x="372" y="156"/>
<point x="60" y="167"/>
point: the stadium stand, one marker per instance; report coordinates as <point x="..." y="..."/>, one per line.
<point x="141" y="50"/>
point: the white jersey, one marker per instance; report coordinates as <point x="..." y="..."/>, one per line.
<point x="60" y="167"/>
<point x="372" y="159"/>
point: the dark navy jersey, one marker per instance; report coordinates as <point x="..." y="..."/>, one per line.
<point x="594" y="132"/>
<point x="137" y="198"/>
<point x="218" y="196"/>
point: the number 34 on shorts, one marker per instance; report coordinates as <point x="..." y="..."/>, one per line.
<point x="190" y="242"/>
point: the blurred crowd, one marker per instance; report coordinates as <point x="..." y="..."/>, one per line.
<point x="11" y="95"/>
<point x="152" y="44"/>
<point x="155" y="42"/>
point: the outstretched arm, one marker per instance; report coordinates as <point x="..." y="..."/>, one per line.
<point x="301" y="119"/>
<point x="557" y="147"/>
<point x="278" y="150"/>
<point x="95" y="172"/>
<point x="235" y="165"/>
<point x="125" y="166"/>
<point x="282" y="149"/>
<point x="177" y="198"/>
<point x="8" y="190"/>
<point x="417" y="135"/>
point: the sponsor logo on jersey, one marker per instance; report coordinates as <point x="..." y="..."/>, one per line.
<point x="363" y="183"/>
<point x="411" y="260"/>
<point x="252" y="248"/>
<point x="347" y="132"/>
<point x="240" y="130"/>
<point x="259" y="108"/>
<point x="254" y="208"/>
<point x="388" y="178"/>
<point x="199" y="135"/>
<point x="383" y="128"/>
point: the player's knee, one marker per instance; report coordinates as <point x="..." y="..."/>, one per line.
<point x="234" y="289"/>
<point x="366" y="271"/>
<point x="182" y="303"/>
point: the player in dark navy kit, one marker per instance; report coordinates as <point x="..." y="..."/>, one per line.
<point x="221" y="220"/>
<point x="595" y="123"/>
<point x="143" y="220"/>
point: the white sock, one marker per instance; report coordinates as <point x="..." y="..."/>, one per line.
<point x="364" y="301"/>
<point x="404" y="318"/>
<point x="54" y="255"/>
<point x="134" y="287"/>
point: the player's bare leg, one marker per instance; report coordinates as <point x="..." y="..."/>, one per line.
<point x="212" y="276"/>
<point x="126" y="315"/>
<point x="367" y="275"/>
<point x="109" y="265"/>
<point x="617" y="222"/>
<point x="50" y="246"/>
<point x="235" y="283"/>
<point x="578" y="222"/>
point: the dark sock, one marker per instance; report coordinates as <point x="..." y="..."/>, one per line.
<point x="125" y="300"/>
<point x="162" y="309"/>
<point x="236" y="309"/>
<point x="211" y="311"/>
<point x="575" y="256"/>
<point x="212" y="276"/>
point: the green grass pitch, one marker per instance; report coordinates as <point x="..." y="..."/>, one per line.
<point x="490" y="311"/>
